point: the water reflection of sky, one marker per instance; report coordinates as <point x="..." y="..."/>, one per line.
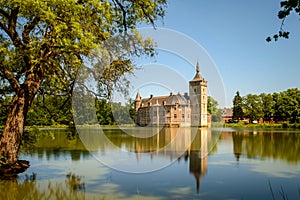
<point x="221" y="175"/>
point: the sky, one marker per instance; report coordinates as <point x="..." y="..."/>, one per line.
<point x="233" y="33"/>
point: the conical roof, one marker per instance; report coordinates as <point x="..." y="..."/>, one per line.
<point x="198" y="76"/>
<point x="138" y="96"/>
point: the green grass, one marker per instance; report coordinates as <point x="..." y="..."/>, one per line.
<point x="284" y="125"/>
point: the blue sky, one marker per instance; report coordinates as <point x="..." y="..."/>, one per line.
<point x="233" y="33"/>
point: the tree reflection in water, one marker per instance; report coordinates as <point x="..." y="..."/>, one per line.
<point x="14" y="189"/>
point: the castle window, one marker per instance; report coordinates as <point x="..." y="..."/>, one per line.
<point x="182" y="116"/>
<point x="195" y="90"/>
<point x="175" y="116"/>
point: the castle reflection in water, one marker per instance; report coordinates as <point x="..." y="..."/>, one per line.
<point x="188" y="144"/>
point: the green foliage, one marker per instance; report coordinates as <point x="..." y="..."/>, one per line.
<point x="43" y="44"/>
<point x="280" y="107"/>
<point x="287" y="105"/>
<point x="238" y="113"/>
<point x="4" y="108"/>
<point x="50" y="110"/>
<point x="253" y="107"/>
<point x="111" y="113"/>
<point x="287" y="7"/>
<point x="267" y="106"/>
<point x="212" y="108"/>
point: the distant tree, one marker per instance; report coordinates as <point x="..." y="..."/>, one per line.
<point x="283" y="106"/>
<point x="238" y="113"/>
<point x="287" y="105"/>
<point x="267" y="106"/>
<point x="212" y="108"/>
<point x="287" y="7"/>
<point x="43" y="44"/>
<point x="131" y="110"/>
<point x="253" y="107"/>
<point x="103" y="112"/>
<point x="112" y="113"/>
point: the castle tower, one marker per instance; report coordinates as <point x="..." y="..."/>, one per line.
<point x="198" y="99"/>
<point x="137" y="102"/>
<point x="137" y="105"/>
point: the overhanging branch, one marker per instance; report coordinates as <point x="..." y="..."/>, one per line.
<point x="28" y="28"/>
<point x="5" y="14"/>
<point x="124" y="13"/>
<point x="8" y="75"/>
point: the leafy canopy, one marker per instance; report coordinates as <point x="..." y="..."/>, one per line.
<point x="287" y="7"/>
<point x="51" y="38"/>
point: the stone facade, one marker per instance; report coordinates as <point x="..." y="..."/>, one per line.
<point x="175" y="109"/>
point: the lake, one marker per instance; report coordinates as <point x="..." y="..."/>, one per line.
<point x="159" y="163"/>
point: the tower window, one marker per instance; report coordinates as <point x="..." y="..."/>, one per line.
<point x="175" y="116"/>
<point x="182" y="116"/>
<point x="195" y="90"/>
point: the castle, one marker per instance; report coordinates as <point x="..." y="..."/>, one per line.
<point x="175" y="110"/>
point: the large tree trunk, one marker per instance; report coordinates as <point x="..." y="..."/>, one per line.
<point x="13" y="131"/>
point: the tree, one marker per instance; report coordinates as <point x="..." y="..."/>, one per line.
<point x="287" y="105"/>
<point x="253" y="107"/>
<point x="238" y="113"/>
<point x="267" y="106"/>
<point x="43" y="44"/>
<point x="212" y="108"/>
<point x="287" y="7"/>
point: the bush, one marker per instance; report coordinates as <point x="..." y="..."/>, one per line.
<point x="285" y="125"/>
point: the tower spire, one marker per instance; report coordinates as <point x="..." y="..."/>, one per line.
<point x="198" y="67"/>
<point x="198" y="76"/>
<point x="138" y="96"/>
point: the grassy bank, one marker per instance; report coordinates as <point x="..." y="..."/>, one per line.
<point x="263" y="125"/>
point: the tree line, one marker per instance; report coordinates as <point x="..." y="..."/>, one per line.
<point x="278" y="107"/>
<point x="56" y="110"/>
<point x="49" y="110"/>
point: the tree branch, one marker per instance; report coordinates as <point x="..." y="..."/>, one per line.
<point x="8" y="75"/>
<point x="3" y="27"/>
<point x="147" y="15"/>
<point x="28" y="28"/>
<point x="5" y="14"/>
<point x="124" y="13"/>
<point x="10" y="30"/>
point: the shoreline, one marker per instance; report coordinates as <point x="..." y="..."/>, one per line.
<point x="283" y="125"/>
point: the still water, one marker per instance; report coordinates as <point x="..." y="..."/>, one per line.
<point x="171" y="163"/>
